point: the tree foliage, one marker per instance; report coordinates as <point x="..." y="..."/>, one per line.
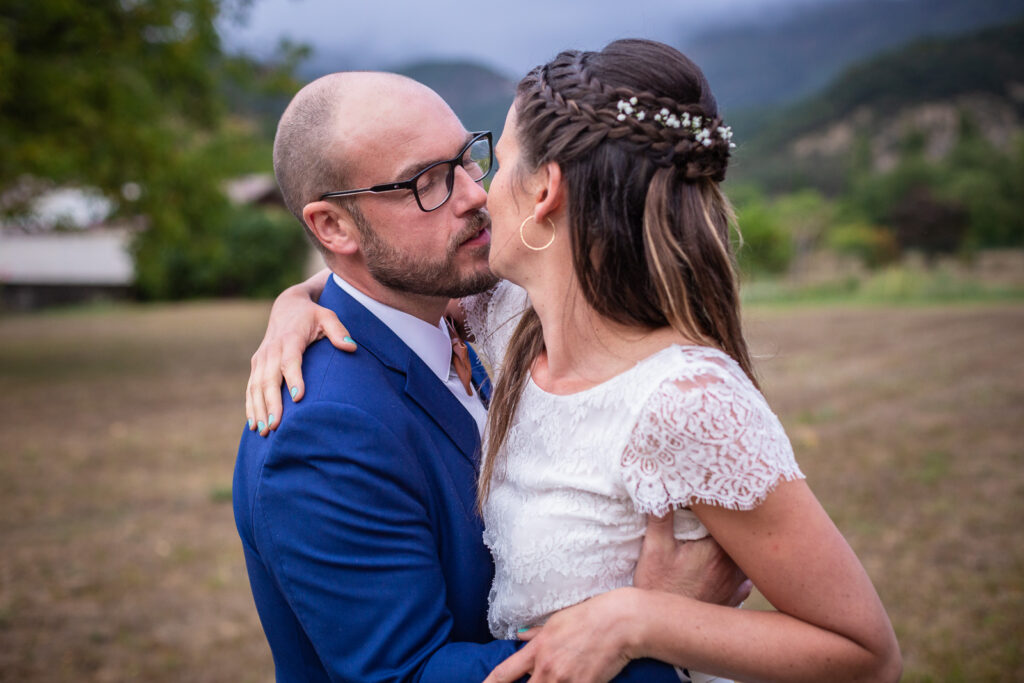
<point x="767" y="246"/>
<point x="973" y="198"/>
<point x="130" y="97"/>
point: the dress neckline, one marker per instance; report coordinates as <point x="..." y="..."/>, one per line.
<point x="615" y="379"/>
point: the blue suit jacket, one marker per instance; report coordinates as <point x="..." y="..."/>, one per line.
<point x="358" y="523"/>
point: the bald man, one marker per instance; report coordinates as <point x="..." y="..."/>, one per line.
<point x="357" y="515"/>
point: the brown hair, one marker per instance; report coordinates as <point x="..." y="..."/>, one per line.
<point x="648" y="225"/>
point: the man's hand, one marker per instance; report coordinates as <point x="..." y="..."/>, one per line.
<point x="295" y="323"/>
<point x="697" y="569"/>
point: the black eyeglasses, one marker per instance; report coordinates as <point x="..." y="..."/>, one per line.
<point x="433" y="185"/>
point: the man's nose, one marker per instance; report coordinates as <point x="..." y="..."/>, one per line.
<point x="467" y="194"/>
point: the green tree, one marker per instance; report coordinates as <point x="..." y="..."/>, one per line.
<point x="971" y="198"/>
<point x="989" y="183"/>
<point x="129" y="96"/>
<point x="767" y="246"/>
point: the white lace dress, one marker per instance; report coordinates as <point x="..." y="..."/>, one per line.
<point x="566" y="514"/>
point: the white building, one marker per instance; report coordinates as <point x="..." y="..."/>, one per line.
<point x="67" y="254"/>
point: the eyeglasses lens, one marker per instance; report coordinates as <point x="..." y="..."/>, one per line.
<point x="435" y="186"/>
<point x="479" y="156"/>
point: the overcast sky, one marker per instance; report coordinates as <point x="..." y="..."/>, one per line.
<point x="512" y="35"/>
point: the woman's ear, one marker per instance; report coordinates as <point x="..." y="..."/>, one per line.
<point x="550" y="196"/>
<point x="333" y="226"/>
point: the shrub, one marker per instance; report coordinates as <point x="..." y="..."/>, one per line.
<point x="873" y="245"/>
<point x="767" y="245"/>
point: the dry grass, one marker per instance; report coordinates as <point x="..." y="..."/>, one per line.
<point x="118" y="554"/>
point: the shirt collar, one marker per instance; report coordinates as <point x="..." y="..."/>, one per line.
<point x="431" y="343"/>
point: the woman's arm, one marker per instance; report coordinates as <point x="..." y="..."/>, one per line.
<point x="830" y="623"/>
<point x="296" y="321"/>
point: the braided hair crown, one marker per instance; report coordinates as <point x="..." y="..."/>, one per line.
<point x="644" y="97"/>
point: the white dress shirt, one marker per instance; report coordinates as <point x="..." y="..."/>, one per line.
<point x="431" y="343"/>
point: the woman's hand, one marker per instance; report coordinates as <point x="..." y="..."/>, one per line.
<point x="295" y="323"/>
<point x="589" y="642"/>
<point x="697" y="569"/>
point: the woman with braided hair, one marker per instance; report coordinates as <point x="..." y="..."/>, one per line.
<point x="624" y="389"/>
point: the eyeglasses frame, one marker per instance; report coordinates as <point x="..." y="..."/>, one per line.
<point x="410" y="184"/>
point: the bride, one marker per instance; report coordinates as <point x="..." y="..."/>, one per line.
<point x="625" y="388"/>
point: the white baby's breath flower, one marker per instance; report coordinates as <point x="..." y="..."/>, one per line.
<point x="692" y="124"/>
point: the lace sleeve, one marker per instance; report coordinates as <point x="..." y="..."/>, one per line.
<point x="706" y="438"/>
<point x="492" y="318"/>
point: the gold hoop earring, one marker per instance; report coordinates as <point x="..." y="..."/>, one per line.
<point x="522" y="236"/>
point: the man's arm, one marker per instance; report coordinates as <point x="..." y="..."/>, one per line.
<point x="344" y="526"/>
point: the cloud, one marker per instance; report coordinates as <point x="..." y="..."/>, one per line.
<point x="512" y="36"/>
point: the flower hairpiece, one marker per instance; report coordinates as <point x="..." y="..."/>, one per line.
<point x="668" y="119"/>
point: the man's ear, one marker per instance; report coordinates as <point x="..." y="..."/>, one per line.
<point x="550" y="196"/>
<point x="333" y="226"/>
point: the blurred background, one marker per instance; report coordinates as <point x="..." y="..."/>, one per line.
<point x="879" y="183"/>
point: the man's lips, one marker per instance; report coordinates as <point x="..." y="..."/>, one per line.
<point x="481" y="236"/>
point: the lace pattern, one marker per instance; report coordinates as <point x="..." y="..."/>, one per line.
<point x="492" y="317"/>
<point x="706" y="436"/>
<point x="566" y="515"/>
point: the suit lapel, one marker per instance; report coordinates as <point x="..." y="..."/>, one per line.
<point x="422" y="386"/>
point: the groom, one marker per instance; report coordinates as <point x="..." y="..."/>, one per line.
<point x="357" y="515"/>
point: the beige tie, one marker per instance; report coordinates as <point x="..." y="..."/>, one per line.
<point x="460" y="358"/>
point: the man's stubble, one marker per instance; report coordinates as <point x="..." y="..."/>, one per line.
<point x="417" y="274"/>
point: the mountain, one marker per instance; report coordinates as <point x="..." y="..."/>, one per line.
<point x="479" y="95"/>
<point x="793" y="55"/>
<point x="928" y="90"/>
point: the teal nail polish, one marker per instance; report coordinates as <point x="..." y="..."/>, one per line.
<point x="249" y="423"/>
<point x="270" y="420"/>
<point x="524" y="629"/>
<point x="294" y="391"/>
<point x="348" y="339"/>
<point x="260" y="426"/>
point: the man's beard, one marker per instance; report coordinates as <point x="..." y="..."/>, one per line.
<point x="414" y="274"/>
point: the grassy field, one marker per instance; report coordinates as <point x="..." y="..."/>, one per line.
<point x="119" y="559"/>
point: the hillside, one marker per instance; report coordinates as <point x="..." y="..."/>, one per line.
<point x="479" y="95"/>
<point x="783" y="58"/>
<point x="930" y="89"/>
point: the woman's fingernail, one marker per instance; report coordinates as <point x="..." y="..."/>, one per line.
<point x="294" y="391"/>
<point x="348" y="339"/>
<point x="524" y="629"/>
<point x="270" y="420"/>
<point x="261" y="426"/>
<point x="249" y="423"/>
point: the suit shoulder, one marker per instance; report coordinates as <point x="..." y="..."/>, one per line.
<point x="355" y="378"/>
